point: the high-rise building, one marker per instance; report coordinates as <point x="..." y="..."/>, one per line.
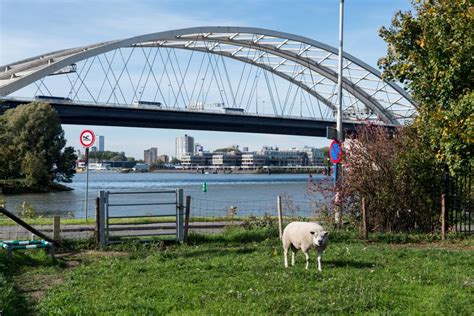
<point x="184" y="146"/>
<point x="150" y="155"/>
<point x="101" y="143"/>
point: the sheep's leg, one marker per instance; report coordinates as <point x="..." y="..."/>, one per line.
<point x="293" y="254"/>
<point x="307" y="259"/>
<point x="286" y="257"/>
<point x="319" y="260"/>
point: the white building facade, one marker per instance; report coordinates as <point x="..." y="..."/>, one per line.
<point x="184" y="146"/>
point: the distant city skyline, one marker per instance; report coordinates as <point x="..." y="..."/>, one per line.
<point x="168" y="147"/>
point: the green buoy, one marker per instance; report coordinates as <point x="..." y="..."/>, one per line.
<point x="204" y="187"/>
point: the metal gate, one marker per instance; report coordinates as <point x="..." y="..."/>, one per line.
<point x="459" y="202"/>
<point x="159" y="213"/>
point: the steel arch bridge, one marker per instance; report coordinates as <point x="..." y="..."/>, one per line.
<point x="136" y="72"/>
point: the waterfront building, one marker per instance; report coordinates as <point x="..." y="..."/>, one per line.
<point x="288" y="157"/>
<point x="200" y="159"/>
<point x="101" y="143"/>
<point x="253" y="160"/>
<point x="268" y="156"/>
<point x="184" y="146"/>
<point x="150" y="155"/>
<point x="230" y="159"/>
<point x="245" y="149"/>
<point x="164" y="158"/>
<point x="315" y="156"/>
<point x="198" y="148"/>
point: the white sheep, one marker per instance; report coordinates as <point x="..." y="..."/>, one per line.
<point x="304" y="236"/>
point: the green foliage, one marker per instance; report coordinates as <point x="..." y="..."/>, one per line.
<point x="175" y="161"/>
<point x="26" y="210"/>
<point x="253" y="222"/>
<point x="32" y="139"/>
<point x="65" y="166"/>
<point x="108" y="155"/>
<point x="35" y="169"/>
<point x="430" y="51"/>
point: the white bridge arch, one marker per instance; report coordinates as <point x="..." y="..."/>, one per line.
<point x="306" y="63"/>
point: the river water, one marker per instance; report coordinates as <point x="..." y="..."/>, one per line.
<point x="256" y="193"/>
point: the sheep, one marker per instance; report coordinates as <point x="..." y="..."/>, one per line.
<point x="304" y="236"/>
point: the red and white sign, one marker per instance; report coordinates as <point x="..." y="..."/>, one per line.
<point x="87" y="138"/>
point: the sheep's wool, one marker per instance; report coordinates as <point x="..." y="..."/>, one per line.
<point x="298" y="235"/>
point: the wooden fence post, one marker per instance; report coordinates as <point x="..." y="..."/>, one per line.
<point x="57" y="228"/>
<point x="364" y="220"/>
<point x="280" y="217"/>
<point x="186" y="219"/>
<point x="443" y="216"/>
<point x="97" y="220"/>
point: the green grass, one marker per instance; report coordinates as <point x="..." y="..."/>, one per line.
<point x="241" y="272"/>
<point x="11" y="300"/>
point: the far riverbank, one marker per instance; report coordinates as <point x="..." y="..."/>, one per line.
<point x="19" y="187"/>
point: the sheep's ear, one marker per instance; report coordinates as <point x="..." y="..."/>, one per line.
<point x="312" y="233"/>
<point x="326" y="233"/>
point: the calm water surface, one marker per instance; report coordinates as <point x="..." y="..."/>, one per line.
<point x="249" y="190"/>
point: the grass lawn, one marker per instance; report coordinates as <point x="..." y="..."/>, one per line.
<point x="241" y="272"/>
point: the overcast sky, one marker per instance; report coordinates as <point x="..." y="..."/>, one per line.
<point x="32" y="27"/>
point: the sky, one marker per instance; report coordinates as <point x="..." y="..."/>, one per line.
<point x="33" y="27"/>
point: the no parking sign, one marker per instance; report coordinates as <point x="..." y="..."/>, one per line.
<point x="335" y="151"/>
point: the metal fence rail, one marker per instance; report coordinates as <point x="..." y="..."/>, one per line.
<point x="459" y="202"/>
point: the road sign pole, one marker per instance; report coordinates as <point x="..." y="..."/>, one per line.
<point x="87" y="139"/>
<point x="86" y="202"/>
<point x="337" y="166"/>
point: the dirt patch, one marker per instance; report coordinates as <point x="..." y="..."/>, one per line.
<point x="101" y="254"/>
<point x="33" y="287"/>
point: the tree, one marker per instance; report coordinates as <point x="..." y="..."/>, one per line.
<point x="34" y="167"/>
<point x="65" y="166"/>
<point x="430" y="51"/>
<point x="397" y="175"/>
<point x="32" y="140"/>
<point x="8" y="161"/>
<point x="175" y="161"/>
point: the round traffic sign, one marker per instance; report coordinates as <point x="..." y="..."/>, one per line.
<point x="87" y="138"/>
<point x="335" y="151"/>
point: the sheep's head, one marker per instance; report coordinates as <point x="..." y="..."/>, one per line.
<point x="320" y="237"/>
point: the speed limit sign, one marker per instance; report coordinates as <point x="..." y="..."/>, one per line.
<point x="87" y="138"/>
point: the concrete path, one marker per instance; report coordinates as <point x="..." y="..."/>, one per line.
<point x="84" y="231"/>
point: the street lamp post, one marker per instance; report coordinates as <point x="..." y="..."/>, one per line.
<point x="340" y="135"/>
